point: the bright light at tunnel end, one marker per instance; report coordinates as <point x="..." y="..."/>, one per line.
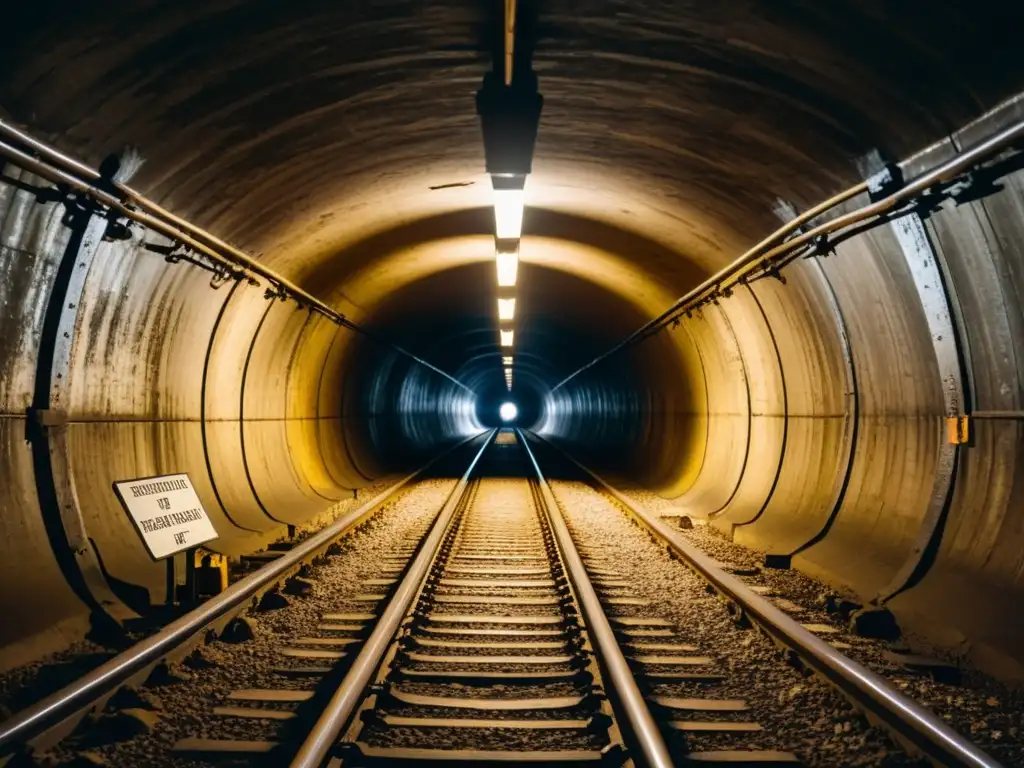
<point x="508" y="411"/>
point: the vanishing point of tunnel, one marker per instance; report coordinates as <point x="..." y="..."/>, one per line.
<point x="760" y="262"/>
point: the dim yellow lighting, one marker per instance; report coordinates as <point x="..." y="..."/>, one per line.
<point x="506" y="309"/>
<point x="508" y="266"/>
<point x="508" y="213"/>
<point x="506" y="338"/>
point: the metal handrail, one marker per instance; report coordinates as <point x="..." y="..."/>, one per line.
<point x="59" y="168"/>
<point x="762" y="255"/>
<point x="911" y="723"/>
<point x="90" y="689"/>
<point x="632" y="707"/>
<point x="338" y="711"/>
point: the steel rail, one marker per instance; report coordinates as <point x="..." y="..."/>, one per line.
<point x="59" y="168"/>
<point x="633" y="710"/>
<point x="912" y="724"/>
<point x="90" y="690"/>
<point x="338" y="711"/>
<point x="762" y="254"/>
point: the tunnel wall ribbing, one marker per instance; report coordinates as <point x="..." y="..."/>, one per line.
<point x="262" y="403"/>
<point x="823" y="397"/>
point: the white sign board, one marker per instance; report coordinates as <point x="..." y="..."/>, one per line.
<point x="166" y="512"/>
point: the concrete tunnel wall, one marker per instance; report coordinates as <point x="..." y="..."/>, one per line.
<point x="817" y="419"/>
<point x="276" y="414"/>
<point x="338" y="145"/>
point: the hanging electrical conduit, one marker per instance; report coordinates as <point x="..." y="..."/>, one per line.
<point x="77" y="183"/>
<point x="963" y="178"/>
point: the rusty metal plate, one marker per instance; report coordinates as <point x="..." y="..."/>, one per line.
<point x="270" y="694"/>
<point x="253" y="713"/>
<point x="495" y="600"/>
<point x="674" y="660"/>
<point x="539" y="645"/>
<point x="426" y="657"/>
<point x="440" y="756"/>
<point x="455" y="618"/>
<point x="458" y="722"/>
<point x="456" y="702"/>
<point x="495" y="632"/>
<point x="311" y="653"/>
<point x="701" y="705"/>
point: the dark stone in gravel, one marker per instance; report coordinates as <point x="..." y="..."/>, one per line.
<point x="162" y="675"/>
<point x="198" y="660"/>
<point x="298" y="586"/>
<point x="779" y="562"/>
<point x="273" y="601"/>
<point x="877" y="623"/>
<point x="239" y="630"/>
<point x="133" y="698"/>
<point x="123" y="725"/>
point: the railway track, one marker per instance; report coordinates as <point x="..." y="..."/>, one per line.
<point x="489" y="635"/>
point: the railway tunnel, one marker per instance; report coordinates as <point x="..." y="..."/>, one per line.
<point x="853" y="412"/>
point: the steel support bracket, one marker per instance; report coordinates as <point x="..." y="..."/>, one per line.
<point x="926" y="272"/>
<point x="886" y="182"/>
<point x="958" y="430"/>
<point x="43" y="422"/>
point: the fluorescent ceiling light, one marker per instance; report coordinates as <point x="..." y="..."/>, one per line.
<point x="506" y="309"/>
<point x="508" y="213"/>
<point x="506" y="338"/>
<point x="508" y="266"/>
<point x="507" y="359"/>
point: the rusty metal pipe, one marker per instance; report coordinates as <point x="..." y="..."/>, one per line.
<point x="90" y="689"/>
<point x="633" y="708"/>
<point x="758" y="257"/>
<point x="343" y="703"/>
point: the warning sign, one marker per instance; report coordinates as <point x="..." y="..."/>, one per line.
<point x="166" y="512"/>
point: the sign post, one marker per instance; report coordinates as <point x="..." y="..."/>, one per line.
<point x="169" y="518"/>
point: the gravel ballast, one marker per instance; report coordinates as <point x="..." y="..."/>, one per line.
<point x="184" y="706"/>
<point x="986" y="711"/>
<point x="797" y="713"/>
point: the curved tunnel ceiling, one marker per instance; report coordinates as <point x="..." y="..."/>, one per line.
<point x="327" y="139"/>
<point x="338" y="143"/>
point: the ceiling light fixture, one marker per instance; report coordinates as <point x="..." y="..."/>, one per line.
<point x="506" y="338"/>
<point x="507" y="259"/>
<point x="506" y="309"/>
<point x="507" y="359"/>
<point x="509" y="199"/>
